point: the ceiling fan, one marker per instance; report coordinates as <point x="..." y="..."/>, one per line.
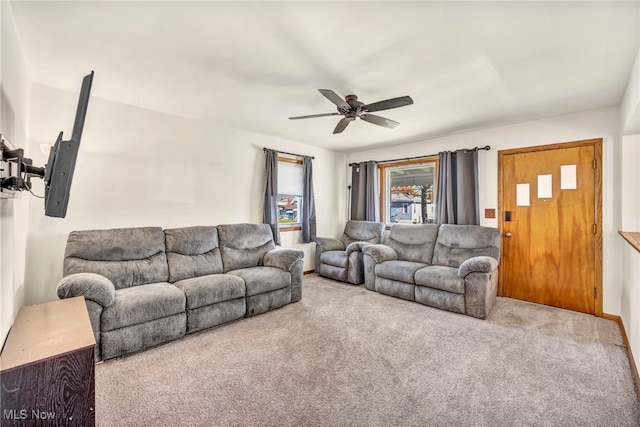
<point x="350" y="108"/>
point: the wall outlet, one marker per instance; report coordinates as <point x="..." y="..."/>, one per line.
<point x="489" y="213"/>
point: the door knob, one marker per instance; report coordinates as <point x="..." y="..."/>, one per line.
<point x="507" y="234"/>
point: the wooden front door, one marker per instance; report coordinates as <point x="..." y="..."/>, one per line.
<point x="551" y="214"/>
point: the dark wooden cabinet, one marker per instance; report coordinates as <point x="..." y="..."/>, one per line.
<point x="47" y="367"/>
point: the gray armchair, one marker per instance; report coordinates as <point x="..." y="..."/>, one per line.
<point x="341" y="259"/>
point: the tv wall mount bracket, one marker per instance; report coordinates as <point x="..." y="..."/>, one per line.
<point x="21" y="169"/>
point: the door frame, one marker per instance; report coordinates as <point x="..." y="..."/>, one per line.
<point x="597" y="145"/>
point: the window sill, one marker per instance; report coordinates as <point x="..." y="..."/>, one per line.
<point x="388" y="226"/>
<point x="290" y="228"/>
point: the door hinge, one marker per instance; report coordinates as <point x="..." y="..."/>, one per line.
<point x="595" y="228"/>
<point x="595" y="293"/>
<point x="595" y="164"/>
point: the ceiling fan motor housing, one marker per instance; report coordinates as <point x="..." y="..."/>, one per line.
<point x="353" y="102"/>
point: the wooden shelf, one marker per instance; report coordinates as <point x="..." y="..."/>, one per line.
<point x="47" y="366"/>
<point x="632" y="237"/>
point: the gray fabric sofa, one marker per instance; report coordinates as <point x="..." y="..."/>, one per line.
<point x="451" y="267"/>
<point x="341" y="259"/>
<point x="145" y="286"/>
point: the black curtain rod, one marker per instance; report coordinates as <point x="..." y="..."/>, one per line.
<point x="264" y="149"/>
<point x="486" y="147"/>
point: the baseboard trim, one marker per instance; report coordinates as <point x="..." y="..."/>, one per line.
<point x="308" y="272"/>
<point x="625" y="339"/>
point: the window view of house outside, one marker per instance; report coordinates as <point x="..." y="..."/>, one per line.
<point x="410" y="194"/>
<point x="290" y="188"/>
<point x="289" y="209"/>
<point x="412" y="204"/>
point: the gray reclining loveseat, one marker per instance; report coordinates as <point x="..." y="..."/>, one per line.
<point x="145" y="286"/>
<point x="452" y="267"/>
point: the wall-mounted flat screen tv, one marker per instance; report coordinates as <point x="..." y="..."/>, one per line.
<point x="62" y="160"/>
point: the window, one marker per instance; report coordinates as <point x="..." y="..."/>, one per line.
<point x="290" y="188"/>
<point x="407" y="191"/>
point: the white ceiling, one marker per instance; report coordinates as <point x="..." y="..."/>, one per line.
<point x="467" y="65"/>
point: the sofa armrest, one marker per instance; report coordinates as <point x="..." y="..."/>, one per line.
<point x="94" y="287"/>
<point x="356" y="247"/>
<point x="325" y="244"/>
<point x="282" y="258"/>
<point x="380" y="253"/>
<point x="478" y="264"/>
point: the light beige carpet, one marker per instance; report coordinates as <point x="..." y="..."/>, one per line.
<point x="346" y="356"/>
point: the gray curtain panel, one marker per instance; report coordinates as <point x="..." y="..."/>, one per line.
<point x="270" y="209"/>
<point x="457" y="195"/>
<point x="308" y="218"/>
<point x="364" y="191"/>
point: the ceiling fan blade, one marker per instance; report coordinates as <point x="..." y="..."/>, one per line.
<point x="314" y="115"/>
<point x="335" y="98"/>
<point x="342" y="124"/>
<point x="380" y="121"/>
<point x="388" y="104"/>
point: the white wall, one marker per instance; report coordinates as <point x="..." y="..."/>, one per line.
<point x="138" y="167"/>
<point x="630" y="203"/>
<point x="630" y="208"/>
<point x="630" y="106"/>
<point x="13" y="211"/>
<point x="630" y="269"/>
<point x="602" y="123"/>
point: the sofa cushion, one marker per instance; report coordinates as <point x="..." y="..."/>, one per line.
<point x="413" y="242"/>
<point x="263" y="279"/>
<point x="244" y="245"/>
<point x="440" y="277"/>
<point x="333" y="272"/>
<point x="395" y="288"/>
<point x="325" y="244"/>
<point x="362" y="231"/>
<point x="211" y="289"/>
<point x="141" y="304"/>
<point x="440" y="299"/>
<point x="267" y="301"/>
<point x="115" y="244"/>
<point x="112" y="254"/>
<point x="143" y="335"/>
<point x="457" y="243"/>
<point x="192" y="252"/>
<point x="335" y="258"/>
<point x="402" y="271"/>
<point x="215" y="314"/>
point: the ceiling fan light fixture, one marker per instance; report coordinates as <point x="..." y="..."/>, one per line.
<point x="351" y="108"/>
